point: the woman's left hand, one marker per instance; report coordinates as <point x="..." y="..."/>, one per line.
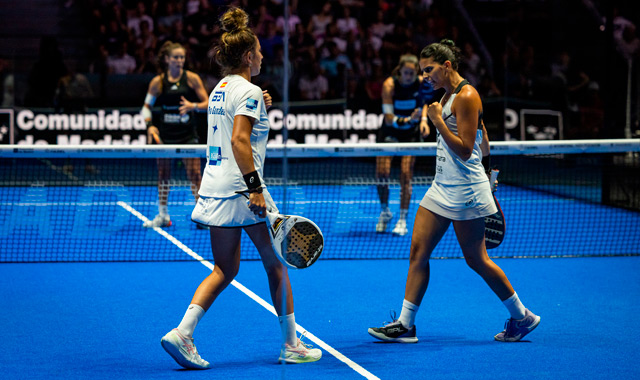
<point x="186" y="106"/>
<point x="268" y="101"/>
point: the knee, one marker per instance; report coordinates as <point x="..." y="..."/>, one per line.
<point x="419" y="257"/>
<point x="227" y="273"/>
<point x="478" y="264"/>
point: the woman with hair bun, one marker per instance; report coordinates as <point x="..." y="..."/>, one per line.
<point x="238" y="128"/>
<point x="460" y="195"/>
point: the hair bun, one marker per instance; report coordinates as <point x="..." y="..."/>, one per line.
<point x="234" y="19"/>
<point x="448" y="42"/>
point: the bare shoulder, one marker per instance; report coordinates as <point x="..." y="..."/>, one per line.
<point x="468" y="97"/>
<point x="155" y="85"/>
<point x="193" y="77"/>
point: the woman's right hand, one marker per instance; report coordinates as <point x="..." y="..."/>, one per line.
<point x="153" y="135"/>
<point x="257" y="204"/>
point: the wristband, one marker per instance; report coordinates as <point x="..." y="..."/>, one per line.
<point x="253" y="182"/>
<point x="486" y="162"/>
<point x="424" y="118"/>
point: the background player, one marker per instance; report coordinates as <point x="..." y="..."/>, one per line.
<point x="401" y="106"/>
<point x="178" y="93"/>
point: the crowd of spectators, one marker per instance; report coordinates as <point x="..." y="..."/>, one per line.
<point x="344" y="49"/>
<point x="337" y="49"/>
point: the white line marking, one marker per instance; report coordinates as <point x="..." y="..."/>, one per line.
<point x="356" y="367"/>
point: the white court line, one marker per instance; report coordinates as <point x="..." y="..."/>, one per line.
<point x="356" y="367"/>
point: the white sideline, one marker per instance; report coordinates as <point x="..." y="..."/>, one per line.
<point x="356" y="367"/>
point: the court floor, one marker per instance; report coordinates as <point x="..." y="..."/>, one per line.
<point x="94" y="297"/>
<point x="105" y="321"/>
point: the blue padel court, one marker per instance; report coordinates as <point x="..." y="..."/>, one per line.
<point x="64" y="317"/>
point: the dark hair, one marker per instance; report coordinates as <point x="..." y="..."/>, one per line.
<point x="445" y="50"/>
<point x="236" y="40"/>
<point x="165" y="51"/>
<point x="404" y="59"/>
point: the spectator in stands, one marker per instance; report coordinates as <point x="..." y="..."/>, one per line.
<point x="313" y="85"/>
<point x="318" y="23"/>
<point x="139" y="15"/>
<point x="7" y="90"/>
<point x="269" y="40"/>
<point x="121" y="62"/>
<point x="170" y="16"/>
<point x="45" y="74"/>
<point x="179" y="93"/>
<point x="347" y="24"/>
<point x="470" y="64"/>
<point x="74" y="92"/>
<point x="262" y="20"/>
<point x="146" y="39"/>
<point x="294" y="21"/>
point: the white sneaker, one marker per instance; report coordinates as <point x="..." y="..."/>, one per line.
<point x="383" y="219"/>
<point x="158" y="221"/>
<point x="400" y="228"/>
<point x="301" y="354"/>
<point x="183" y="351"/>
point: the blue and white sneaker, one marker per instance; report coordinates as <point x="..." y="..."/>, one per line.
<point x="516" y="329"/>
<point x="394" y="332"/>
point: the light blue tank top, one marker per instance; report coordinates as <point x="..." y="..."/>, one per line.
<point x="450" y="168"/>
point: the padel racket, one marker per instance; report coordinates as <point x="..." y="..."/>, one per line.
<point x="297" y="241"/>
<point x="494" y="225"/>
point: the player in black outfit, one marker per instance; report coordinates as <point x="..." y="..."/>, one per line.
<point x="403" y="104"/>
<point x="179" y="93"/>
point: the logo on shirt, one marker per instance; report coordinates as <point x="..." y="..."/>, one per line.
<point x="223" y="85"/>
<point x="218" y="96"/>
<point x="214" y="155"/>
<point x="252" y="104"/>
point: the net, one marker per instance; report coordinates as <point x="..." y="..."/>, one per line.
<point x="79" y="203"/>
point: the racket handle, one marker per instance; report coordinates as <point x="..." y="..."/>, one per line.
<point x="493" y="179"/>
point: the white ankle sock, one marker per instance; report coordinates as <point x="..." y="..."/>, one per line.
<point x="163" y="210"/>
<point x="288" y="328"/>
<point x="408" y="314"/>
<point x="384" y="207"/>
<point x="515" y="307"/>
<point x="190" y="320"/>
<point x="403" y="213"/>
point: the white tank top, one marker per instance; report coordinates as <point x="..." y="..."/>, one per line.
<point x="233" y="96"/>
<point x="450" y="168"/>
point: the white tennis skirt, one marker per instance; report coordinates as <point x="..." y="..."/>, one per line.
<point x="460" y="202"/>
<point x="229" y="212"/>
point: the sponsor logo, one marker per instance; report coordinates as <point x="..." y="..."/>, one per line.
<point x="27" y="120"/>
<point x="216" y="111"/>
<point x="252" y="104"/>
<point x="218" y="96"/>
<point x="315" y="254"/>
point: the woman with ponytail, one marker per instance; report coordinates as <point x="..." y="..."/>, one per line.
<point x="238" y="128"/>
<point x="177" y="93"/>
<point x="460" y="195"/>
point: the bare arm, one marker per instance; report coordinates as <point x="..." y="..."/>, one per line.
<point x="242" y="152"/>
<point x="387" y="98"/>
<point x="196" y="84"/>
<point x="466" y="108"/>
<point x="153" y="134"/>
